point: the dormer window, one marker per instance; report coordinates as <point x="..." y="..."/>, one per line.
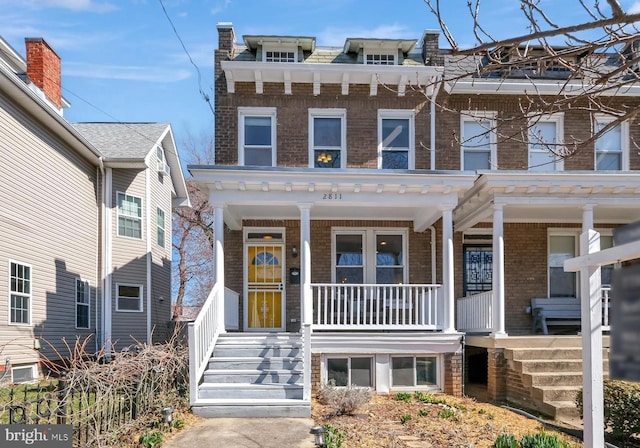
<point x="380" y="59"/>
<point x="279" y="56"/>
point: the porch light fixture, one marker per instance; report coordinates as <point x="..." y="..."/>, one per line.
<point x="267" y="237"/>
<point x="318" y="435"/>
<point x="294" y="251"/>
<point x="324" y="157"/>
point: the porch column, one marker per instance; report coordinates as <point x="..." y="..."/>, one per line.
<point x="498" y="271"/>
<point x="306" y="306"/>
<point x="218" y="258"/>
<point x="587" y="218"/>
<point x="448" y="269"/>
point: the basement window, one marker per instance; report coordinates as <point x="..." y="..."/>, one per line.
<point x="348" y="371"/>
<point x="413" y="371"/>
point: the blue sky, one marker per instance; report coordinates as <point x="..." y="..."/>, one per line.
<point x="122" y="61"/>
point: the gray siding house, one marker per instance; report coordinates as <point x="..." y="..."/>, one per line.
<point x="85" y="222"/>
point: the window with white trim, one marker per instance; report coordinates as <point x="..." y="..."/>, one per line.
<point x="129" y="298"/>
<point x="279" y="56"/>
<point x="350" y="371"/>
<point x="546" y="135"/>
<point x="129" y="216"/>
<point x="82" y="303"/>
<point x="562" y="247"/>
<point x="257" y="136"/>
<point x="24" y="374"/>
<point x="327" y="137"/>
<point x="20" y="294"/>
<point x="380" y="59"/>
<point x="414" y="371"/>
<point x="160" y="229"/>
<point x="612" y="147"/>
<point x="478" y="141"/>
<point x="396" y="136"/>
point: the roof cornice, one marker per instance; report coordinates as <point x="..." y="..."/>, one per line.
<point x="536" y="87"/>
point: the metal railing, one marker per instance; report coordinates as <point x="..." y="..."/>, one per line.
<point x="377" y="307"/>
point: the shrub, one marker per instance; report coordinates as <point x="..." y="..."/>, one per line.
<point x="506" y="441"/>
<point x="332" y="437"/>
<point x="405" y="418"/>
<point x="429" y="398"/>
<point x="151" y="439"/>
<point x="403" y="396"/>
<point x="344" y="400"/>
<point x="621" y="407"/>
<point x="423" y="413"/>
<point x="447" y="413"/>
<point x="542" y="440"/>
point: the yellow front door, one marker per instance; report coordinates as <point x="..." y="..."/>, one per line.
<point x="265" y="287"/>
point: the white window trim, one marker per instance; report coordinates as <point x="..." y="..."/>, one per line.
<point x="282" y="49"/>
<point x="30" y="296"/>
<point x="383" y="52"/>
<point x="329" y="113"/>
<point x="256" y="112"/>
<point x="325" y="366"/>
<point x="559" y="231"/>
<point x="624" y="140"/>
<point x="439" y="374"/>
<point x="140" y="297"/>
<point x="118" y="193"/>
<point x="369" y="247"/>
<point x="88" y="304"/>
<point x="471" y="115"/>
<point x="34" y="371"/>
<point x="158" y="228"/>
<point x="558" y="119"/>
<point x="409" y="114"/>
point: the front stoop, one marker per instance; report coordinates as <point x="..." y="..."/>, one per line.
<point x="547" y="379"/>
<point x="254" y="375"/>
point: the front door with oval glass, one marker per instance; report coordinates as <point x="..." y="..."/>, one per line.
<point x="265" y="288"/>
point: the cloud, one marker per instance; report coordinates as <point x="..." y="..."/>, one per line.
<point x="220" y="6"/>
<point x="335" y="37"/>
<point x="125" y="72"/>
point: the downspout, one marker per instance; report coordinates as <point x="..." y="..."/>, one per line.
<point x="433" y="124"/>
<point x="107" y="268"/>
<point x="99" y="258"/>
<point x="148" y="188"/>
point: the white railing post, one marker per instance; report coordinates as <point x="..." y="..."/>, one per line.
<point x="218" y="234"/>
<point x="448" y="269"/>
<point x="306" y="295"/>
<point x="498" y="272"/>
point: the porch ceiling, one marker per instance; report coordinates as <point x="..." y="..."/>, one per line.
<point x="277" y="193"/>
<point x="551" y="197"/>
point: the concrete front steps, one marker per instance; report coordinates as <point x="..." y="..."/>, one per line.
<point x="254" y="375"/>
<point x="547" y="379"/>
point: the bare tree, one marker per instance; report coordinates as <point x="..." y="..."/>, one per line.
<point x="193" y="237"/>
<point x="594" y="68"/>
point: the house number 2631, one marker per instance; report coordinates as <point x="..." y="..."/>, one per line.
<point x="332" y="196"/>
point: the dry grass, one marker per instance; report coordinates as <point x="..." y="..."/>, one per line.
<point x="467" y="423"/>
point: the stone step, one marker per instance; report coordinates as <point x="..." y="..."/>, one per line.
<point x="250" y="391"/>
<point x="543" y="353"/>
<point x="259" y="338"/>
<point x="263" y="376"/>
<point x="560" y="409"/>
<point x="536" y="365"/>
<point x="254" y="363"/>
<point x="252" y="408"/>
<point x="555" y="393"/>
<point x="552" y="379"/>
<point x="272" y="350"/>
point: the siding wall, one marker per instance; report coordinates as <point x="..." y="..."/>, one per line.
<point x="49" y="220"/>
<point x="129" y="261"/>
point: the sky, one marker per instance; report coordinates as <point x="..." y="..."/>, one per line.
<point x="123" y="61"/>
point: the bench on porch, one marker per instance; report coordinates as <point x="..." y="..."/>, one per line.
<point x="554" y="311"/>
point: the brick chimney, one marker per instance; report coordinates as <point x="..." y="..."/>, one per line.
<point x="430" y="49"/>
<point x="43" y="68"/>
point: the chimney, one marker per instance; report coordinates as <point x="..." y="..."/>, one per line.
<point x="430" y="49"/>
<point x="43" y="68"/>
<point x="226" y="36"/>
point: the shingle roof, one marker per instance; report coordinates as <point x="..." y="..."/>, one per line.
<point x="131" y="141"/>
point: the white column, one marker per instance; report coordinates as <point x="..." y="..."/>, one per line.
<point x="447" y="269"/>
<point x="591" y="319"/>
<point x="218" y="254"/>
<point x="587" y="219"/>
<point x="498" y="272"/>
<point x="306" y="306"/>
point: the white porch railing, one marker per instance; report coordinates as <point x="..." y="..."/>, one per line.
<point x="475" y="313"/>
<point x="377" y="307"/>
<point x="203" y="334"/>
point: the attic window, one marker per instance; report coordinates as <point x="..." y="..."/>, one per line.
<point x="380" y="59"/>
<point x="279" y="55"/>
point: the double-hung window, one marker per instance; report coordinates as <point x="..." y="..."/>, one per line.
<point x="257" y="136"/>
<point x="327" y="137"/>
<point x="129" y="216"/>
<point x="546" y="134"/>
<point x="612" y="147"/>
<point x="561" y="248"/>
<point x="20" y="294"/>
<point x="160" y="227"/>
<point x="478" y="141"/>
<point x="82" y="303"/>
<point x="396" y="138"/>
<point x="129" y="298"/>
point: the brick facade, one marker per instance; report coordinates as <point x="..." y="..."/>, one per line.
<point x="43" y="69"/>
<point x="453" y="374"/>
